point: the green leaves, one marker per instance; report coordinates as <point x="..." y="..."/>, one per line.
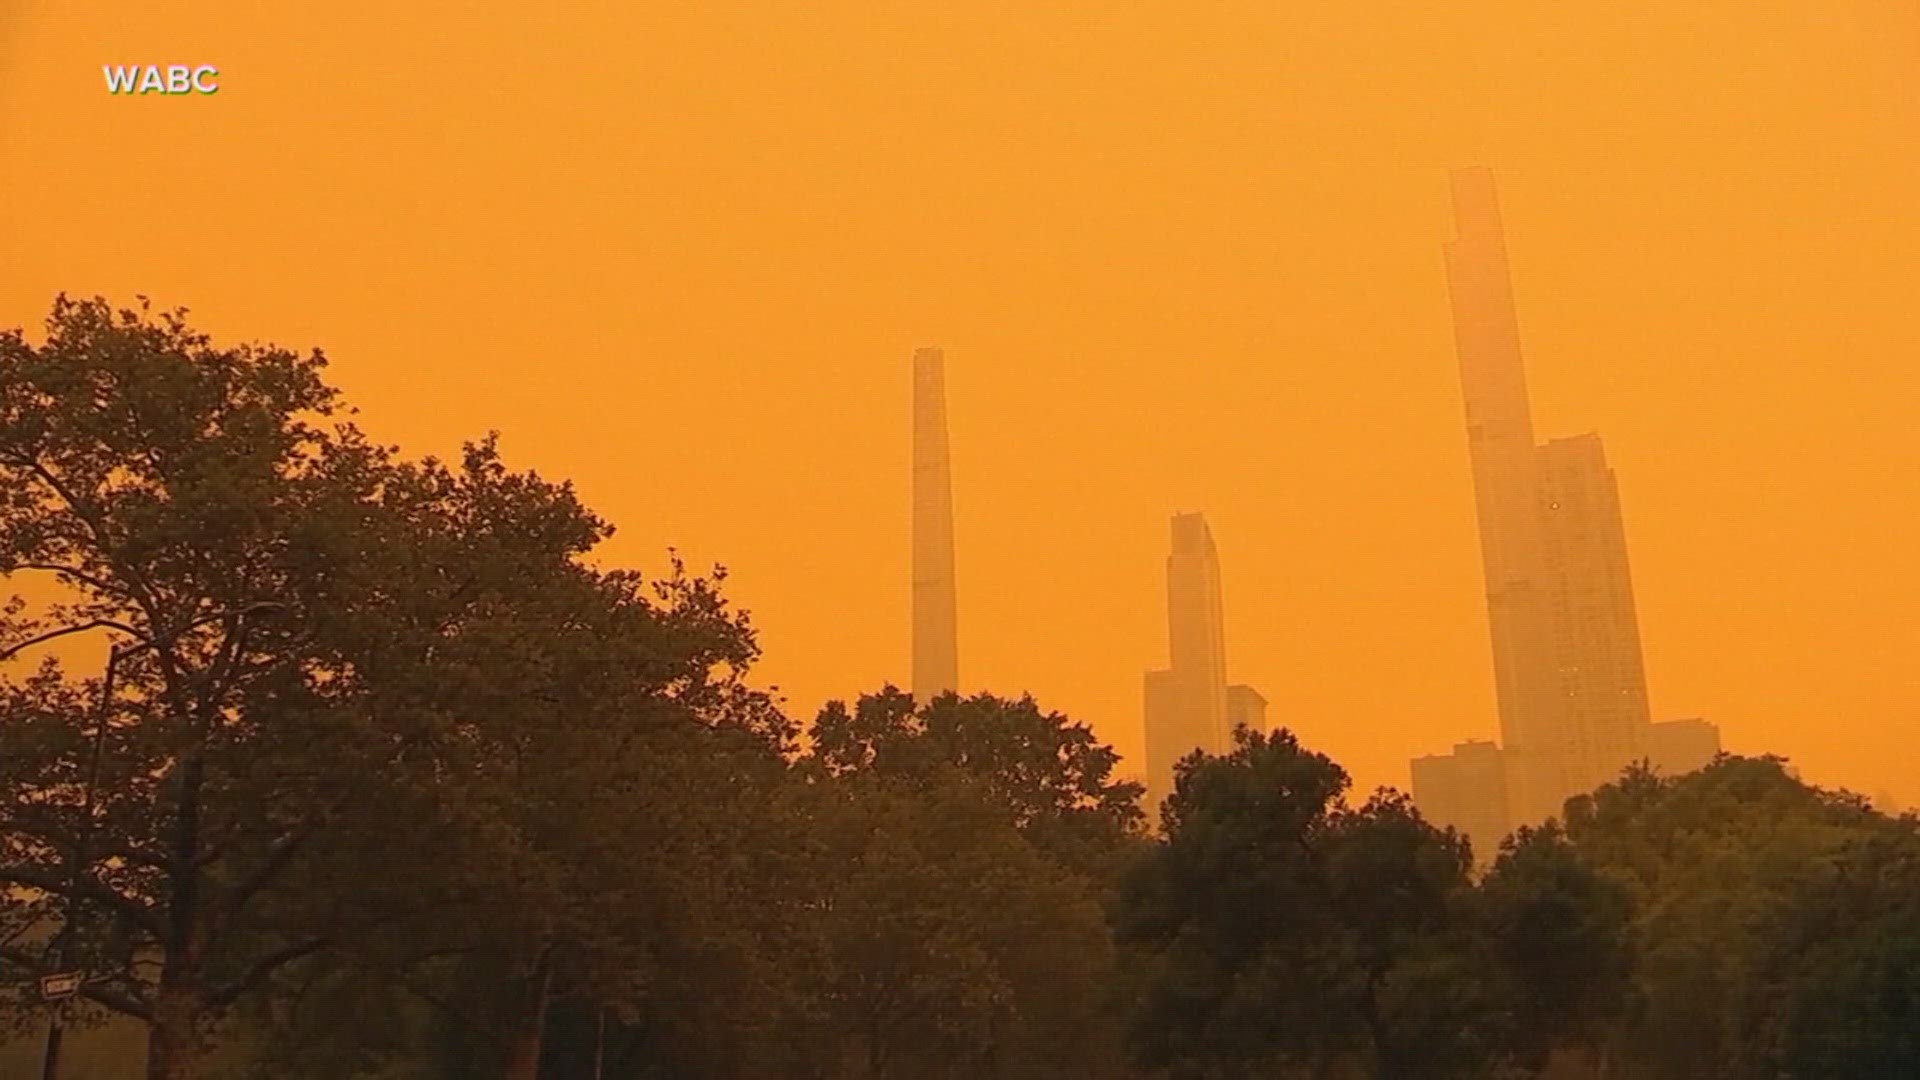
<point x="1278" y="930"/>
<point x="1052" y="780"/>
<point x="1772" y="927"/>
<point x="947" y="940"/>
<point x="964" y="849"/>
<point x="379" y="708"/>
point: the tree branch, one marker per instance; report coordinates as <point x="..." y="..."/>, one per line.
<point x="214" y="679"/>
<point x="84" y="578"/>
<point x="129" y="852"/>
<point x="43" y="827"/>
<point x="127" y="908"/>
<point x="439" y="954"/>
<point x="138" y="590"/>
<point x="218" y="1001"/>
<point x="128" y="1004"/>
<point x="279" y="853"/>
<point x="88" y="517"/>
<point x="78" y="628"/>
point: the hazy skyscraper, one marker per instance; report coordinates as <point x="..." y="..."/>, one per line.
<point x="1187" y="703"/>
<point x="1567" y="662"/>
<point x="1196" y="624"/>
<point x="1500" y="447"/>
<point x="1603" y="719"/>
<point x="936" y="659"/>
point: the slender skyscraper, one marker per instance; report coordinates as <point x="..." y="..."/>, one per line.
<point x="1196" y="627"/>
<point x="936" y="660"/>
<point x="1187" y="703"/>
<point x="1501" y="448"/>
<point x="1566" y="642"/>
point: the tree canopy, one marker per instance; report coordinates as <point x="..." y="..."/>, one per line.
<point x="344" y="687"/>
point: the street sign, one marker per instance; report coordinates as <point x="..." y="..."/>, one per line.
<point x="55" y="987"/>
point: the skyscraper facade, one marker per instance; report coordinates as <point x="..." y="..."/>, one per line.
<point x="1568" y="670"/>
<point x="1602" y="720"/>
<point x="1189" y="705"/>
<point x="936" y="650"/>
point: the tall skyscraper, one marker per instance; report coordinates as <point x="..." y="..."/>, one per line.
<point x="1500" y="447"/>
<point x="1188" y="704"/>
<point x="936" y="660"/>
<point x="1196" y="625"/>
<point x="1568" y="672"/>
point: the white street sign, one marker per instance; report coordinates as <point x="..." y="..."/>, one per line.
<point x="55" y="987"/>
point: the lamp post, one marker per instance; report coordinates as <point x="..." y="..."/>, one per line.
<point x="103" y="718"/>
<point x="103" y="711"/>
<point x="599" y="1040"/>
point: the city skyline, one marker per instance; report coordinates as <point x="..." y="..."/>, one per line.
<point x="1189" y="260"/>
<point x="865" y="542"/>
<point x="1570" y="679"/>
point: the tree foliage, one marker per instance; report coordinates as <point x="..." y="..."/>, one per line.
<point x="1053" y="780"/>
<point x="966" y="847"/>
<point x="363" y="707"/>
<point x="1773" y="931"/>
<point x="1278" y="931"/>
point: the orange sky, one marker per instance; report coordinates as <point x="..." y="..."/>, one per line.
<point x="1182" y="256"/>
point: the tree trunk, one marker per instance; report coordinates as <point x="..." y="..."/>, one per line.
<point x="523" y="1056"/>
<point x="173" y="1047"/>
<point x="173" y="1051"/>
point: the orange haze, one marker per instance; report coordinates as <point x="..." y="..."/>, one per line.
<point x="1181" y="256"/>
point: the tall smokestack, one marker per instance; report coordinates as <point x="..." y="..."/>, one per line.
<point x="936" y="660"/>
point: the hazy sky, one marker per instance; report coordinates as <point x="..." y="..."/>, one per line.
<point x="1182" y="257"/>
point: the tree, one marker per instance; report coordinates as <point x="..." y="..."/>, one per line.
<point x="1400" y="890"/>
<point x="1557" y="931"/>
<point x="1737" y="873"/>
<point x="1850" y="952"/>
<point x="346" y="687"/>
<point x="1050" y="775"/>
<point x="951" y="946"/>
<point x="985" y="833"/>
<point x="158" y="480"/>
<point x="1278" y="931"/>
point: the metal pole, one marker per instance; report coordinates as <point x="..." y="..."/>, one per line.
<point x="50" y="1065"/>
<point x="599" y="1040"/>
<point x="50" y="1061"/>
